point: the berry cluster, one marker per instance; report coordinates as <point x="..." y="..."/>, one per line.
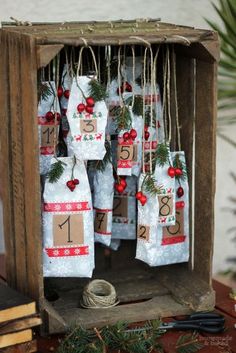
<point x="146" y="133"/>
<point x="50" y="116"/>
<point x="130" y="135"/>
<point x="120" y="185"/>
<point x="61" y="92"/>
<point x="88" y="107"/>
<point x="125" y="87"/>
<point x="174" y="172"/>
<point x="71" y="184"/>
<point x="141" y="197"/>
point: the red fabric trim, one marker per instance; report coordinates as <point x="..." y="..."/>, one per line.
<point x="173" y="240"/>
<point x="62" y="252"/>
<point x="66" y="206"/>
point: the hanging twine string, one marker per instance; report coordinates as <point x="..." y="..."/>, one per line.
<point x="144" y="92"/>
<point x="99" y="66"/>
<point x="164" y="93"/>
<point x="176" y="100"/>
<point x="133" y="76"/>
<point x="119" y="78"/>
<point x="155" y="80"/>
<point x="99" y="294"/>
<point x="108" y="63"/>
<point x="151" y="105"/>
<point x="168" y="93"/>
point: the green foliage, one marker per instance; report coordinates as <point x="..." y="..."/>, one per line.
<point x="44" y="91"/>
<point x="162" y="154"/>
<point x="117" y="337"/>
<point x="188" y="343"/>
<point x="227" y="67"/>
<point x="97" y="91"/>
<point x="123" y="117"/>
<point x="55" y="172"/>
<point x="177" y="163"/>
<point x="148" y="117"/>
<point x="138" y="105"/>
<point x="150" y="186"/>
<point x="100" y="165"/>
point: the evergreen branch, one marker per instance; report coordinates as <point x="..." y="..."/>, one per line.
<point x="55" y="172"/>
<point x="149" y="185"/>
<point x="162" y="154"/>
<point x="138" y="105"/>
<point x="100" y="165"/>
<point x="188" y="343"/>
<point x="147" y="117"/>
<point x="123" y="117"/>
<point x="97" y="91"/>
<point x="177" y="163"/>
<point x="44" y="91"/>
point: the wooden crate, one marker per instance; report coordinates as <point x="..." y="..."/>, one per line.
<point x="162" y="291"/>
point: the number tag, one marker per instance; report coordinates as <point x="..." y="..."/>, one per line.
<point x="48" y="135"/>
<point x="120" y="206"/>
<point x="177" y="229"/>
<point x="100" y="222"/>
<point x="165" y="205"/>
<point x="125" y="152"/>
<point x="143" y="232"/>
<point x="68" y="229"/>
<point x="88" y="126"/>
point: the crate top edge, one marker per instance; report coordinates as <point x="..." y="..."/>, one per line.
<point x="110" y="32"/>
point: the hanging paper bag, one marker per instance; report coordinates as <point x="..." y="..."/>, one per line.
<point x="103" y="193"/>
<point x="68" y="233"/>
<point x="87" y="116"/>
<point x="124" y="211"/>
<point x="173" y="241"/>
<point x="48" y="125"/>
<point x="148" y="209"/>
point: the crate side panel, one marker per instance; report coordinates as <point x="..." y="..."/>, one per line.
<point x="205" y="154"/>
<point x="5" y="159"/>
<point x="31" y="167"/>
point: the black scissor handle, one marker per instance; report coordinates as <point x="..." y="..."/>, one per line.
<point x="197" y="327"/>
<point x="206" y="315"/>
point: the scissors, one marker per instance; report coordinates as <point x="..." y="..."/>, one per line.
<point x="205" y="322"/>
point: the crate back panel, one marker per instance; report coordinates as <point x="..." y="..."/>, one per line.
<point x="24" y="50"/>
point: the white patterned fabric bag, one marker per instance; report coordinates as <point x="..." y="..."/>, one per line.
<point x="173" y="241"/>
<point x="87" y="120"/>
<point x="68" y="232"/>
<point x="124" y="212"/>
<point x="48" y="126"/>
<point x="146" y="249"/>
<point x="103" y="194"/>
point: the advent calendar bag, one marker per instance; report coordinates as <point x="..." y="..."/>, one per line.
<point x="173" y="241"/>
<point x="48" y="126"/>
<point x="68" y="232"/>
<point x="124" y="212"/>
<point x="146" y="249"/>
<point x="103" y="193"/>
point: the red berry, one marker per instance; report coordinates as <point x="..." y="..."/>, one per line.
<point x="67" y="93"/>
<point x="133" y="134"/>
<point x="123" y="183"/>
<point x="143" y="200"/>
<point x="171" y="172"/>
<point x="57" y="116"/>
<point x="145" y="127"/>
<point x="80" y="107"/>
<point x="89" y="109"/>
<point x="90" y="101"/>
<point x="60" y="92"/>
<point x="76" y="181"/>
<point x="146" y="135"/>
<point x="128" y="87"/>
<point x="138" y="195"/>
<point x="178" y="172"/>
<point x="126" y="135"/>
<point x="119" y="188"/>
<point x="180" y="191"/>
<point x="49" y="116"/>
<point x="70" y="184"/>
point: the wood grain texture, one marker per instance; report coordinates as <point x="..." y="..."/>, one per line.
<point x="6" y="172"/>
<point x="14" y="338"/>
<point x="19" y="325"/>
<point x="45" y="53"/>
<point x="205" y="155"/>
<point x="28" y="347"/>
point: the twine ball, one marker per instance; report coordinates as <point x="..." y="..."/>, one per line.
<point x="99" y="294"/>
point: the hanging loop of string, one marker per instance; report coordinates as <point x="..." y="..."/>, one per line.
<point x="80" y="60"/>
<point x="155" y="82"/>
<point x="119" y="78"/>
<point x="166" y="96"/>
<point x="168" y="93"/>
<point x="176" y="99"/>
<point x="133" y="76"/>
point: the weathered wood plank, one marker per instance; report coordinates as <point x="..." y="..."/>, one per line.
<point x="205" y="154"/>
<point x="32" y="192"/>
<point x="18" y="180"/>
<point x="21" y="324"/>
<point x="205" y="51"/>
<point x="6" y="156"/>
<point x="28" y="347"/>
<point x="45" y="53"/>
<point x="185" y="99"/>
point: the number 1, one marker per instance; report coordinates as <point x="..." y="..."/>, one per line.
<point x="61" y="226"/>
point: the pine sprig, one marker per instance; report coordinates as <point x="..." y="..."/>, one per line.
<point x="44" y="91"/>
<point x="188" y="343"/>
<point x="55" y="172"/>
<point x="162" y="154"/>
<point x="177" y="163"/>
<point x="97" y="91"/>
<point x="100" y="165"/>
<point x="150" y="186"/>
<point x="123" y="117"/>
<point x="138" y="105"/>
<point x="148" y="117"/>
